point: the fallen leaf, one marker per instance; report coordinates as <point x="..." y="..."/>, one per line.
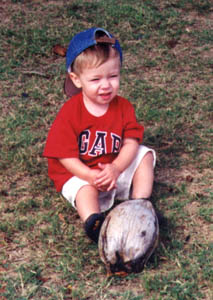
<point x="172" y="43"/>
<point x="42" y="279"/>
<point x="2" y="290"/>
<point x="189" y="178"/>
<point x="61" y="218"/>
<point x="69" y="287"/>
<point x="2" y="269"/>
<point x="59" y="50"/>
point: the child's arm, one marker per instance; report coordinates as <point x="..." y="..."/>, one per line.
<point x="79" y="169"/>
<point x="110" y="172"/>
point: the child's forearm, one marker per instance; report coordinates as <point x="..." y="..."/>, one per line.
<point x="76" y="167"/>
<point x="127" y="154"/>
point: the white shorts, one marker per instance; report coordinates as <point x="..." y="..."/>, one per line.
<point x="124" y="182"/>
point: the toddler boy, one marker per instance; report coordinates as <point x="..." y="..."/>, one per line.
<point x="93" y="147"/>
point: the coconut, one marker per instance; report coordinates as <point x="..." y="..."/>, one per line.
<point x="128" y="237"/>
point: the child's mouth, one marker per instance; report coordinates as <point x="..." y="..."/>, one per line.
<point x="105" y="96"/>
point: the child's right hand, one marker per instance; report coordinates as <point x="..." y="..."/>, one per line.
<point x="107" y="178"/>
<point x="93" y="176"/>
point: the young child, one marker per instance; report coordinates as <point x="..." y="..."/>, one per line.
<point x="93" y="147"/>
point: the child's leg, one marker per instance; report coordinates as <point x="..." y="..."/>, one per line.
<point x="87" y="205"/>
<point x="143" y="178"/>
<point x="87" y="202"/>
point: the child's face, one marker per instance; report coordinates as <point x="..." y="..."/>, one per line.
<point x="100" y="84"/>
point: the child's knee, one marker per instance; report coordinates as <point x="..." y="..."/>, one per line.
<point x="87" y="191"/>
<point x="147" y="160"/>
<point x="149" y="157"/>
<point x="87" y="201"/>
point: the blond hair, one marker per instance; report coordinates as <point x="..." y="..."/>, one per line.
<point x="93" y="56"/>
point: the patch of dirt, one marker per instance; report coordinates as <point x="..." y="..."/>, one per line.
<point x="198" y="20"/>
<point x="4" y="12"/>
<point x="200" y="231"/>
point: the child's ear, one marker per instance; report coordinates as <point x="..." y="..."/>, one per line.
<point x="75" y="79"/>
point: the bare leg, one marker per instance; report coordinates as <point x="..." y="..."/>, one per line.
<point x="87" y="202"/>
<point x="143" y="178"/>
<point x="89" y="211"/>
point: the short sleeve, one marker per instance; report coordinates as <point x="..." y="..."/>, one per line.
<point x="132" y="129"/>
<point x="62" y="140"/>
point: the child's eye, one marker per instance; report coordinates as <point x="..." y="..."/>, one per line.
<point x="114" y="75"/>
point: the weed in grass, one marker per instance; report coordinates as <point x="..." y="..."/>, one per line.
<point x="29" y="205"/>
<point x="206" y="213"/>
<point x="173" y="286"/>
<point x="7" y="228"/>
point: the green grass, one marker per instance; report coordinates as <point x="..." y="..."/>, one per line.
<point x="167" y="75"/>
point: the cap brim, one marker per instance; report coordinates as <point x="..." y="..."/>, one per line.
<point x="69" y="88"/>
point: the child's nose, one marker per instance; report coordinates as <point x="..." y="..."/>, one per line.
<point x="105" y="83"/>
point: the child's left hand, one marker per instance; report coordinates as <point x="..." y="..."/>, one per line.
<point x="106" y="179"/>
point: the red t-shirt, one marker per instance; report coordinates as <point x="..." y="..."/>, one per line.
<point x="77" y="133"/>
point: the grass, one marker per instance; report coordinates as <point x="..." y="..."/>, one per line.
<point x="167" y="75"/>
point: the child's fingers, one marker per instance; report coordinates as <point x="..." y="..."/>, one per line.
<point x="102" y="182"/>
<point x="107" y="186"/>
<point x="112" y="186"/>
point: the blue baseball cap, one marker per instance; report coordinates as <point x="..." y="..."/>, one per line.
<point x="81" y="42"/>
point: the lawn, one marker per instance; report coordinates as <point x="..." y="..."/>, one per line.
<point x="168" y="76"/>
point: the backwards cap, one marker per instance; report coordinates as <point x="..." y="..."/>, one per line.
<point x="81" y="42"/>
